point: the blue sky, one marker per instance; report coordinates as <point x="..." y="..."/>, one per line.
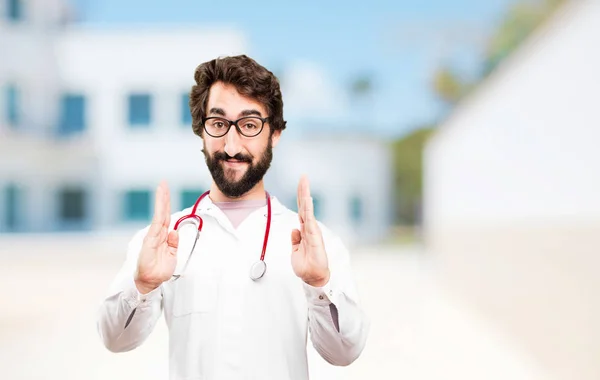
<point x="399" y="43"/>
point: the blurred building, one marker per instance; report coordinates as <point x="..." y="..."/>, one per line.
<point x="512" y="205"/>
<point x="93" y="118"/>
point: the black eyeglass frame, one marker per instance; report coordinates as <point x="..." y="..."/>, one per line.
<point x="264" y="120"/>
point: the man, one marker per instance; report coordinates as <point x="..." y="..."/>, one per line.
<point x="222" y="323"/>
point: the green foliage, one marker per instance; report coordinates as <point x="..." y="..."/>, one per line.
<point x="448" y="85"/>
<point x="362" y="85"/>
<point x="518" y="24"/>
<point x="520" y="20"/>
<point x="408" y="176"/>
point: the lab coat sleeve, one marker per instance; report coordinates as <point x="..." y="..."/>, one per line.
<point x="126" y="317"/>
<point x="338" y="326"/>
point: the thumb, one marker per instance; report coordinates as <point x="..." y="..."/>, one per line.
<point x="296" y="237"/>
<point x="173" y="242"/>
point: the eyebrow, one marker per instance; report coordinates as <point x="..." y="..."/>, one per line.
<point x="250" y="112"/>
<point x="217" y="111"/>
<point x="221" y="112"/>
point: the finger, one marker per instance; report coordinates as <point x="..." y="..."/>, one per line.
<point x="158" y="203"/>
<point x="296" y="237"/>
<point x="158" y="218"/>
<point x="303" y="192"/>
<point x="305" y="186"/>
<point x="173" y="242"/>
<point x="309" y="212"/>
<point x="311" y="226"/>
<point x="167" y="207"/>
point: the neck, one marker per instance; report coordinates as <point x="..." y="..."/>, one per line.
<point x="256" y="193"/>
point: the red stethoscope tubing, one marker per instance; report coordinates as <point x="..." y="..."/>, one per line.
<point x="201" y="222"/>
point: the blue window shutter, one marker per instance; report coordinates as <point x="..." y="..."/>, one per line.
<point x="189" y="197"/>
<point x="137" y="205"/>
<point x="12" y="197"/>
<point x="14" y="10"/>
<point x="140" y="110"/>
<point x="356" y="209"/>
<point x="12" y="106"/>
<point x="72" y="203"/>
<point x="73" y="114"/>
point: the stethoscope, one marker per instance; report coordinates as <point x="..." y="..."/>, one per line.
<point x="258" y="269"/>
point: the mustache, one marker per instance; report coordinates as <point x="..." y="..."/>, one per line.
<point x="218" y="156"/>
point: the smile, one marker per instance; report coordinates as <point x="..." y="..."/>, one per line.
<point x="234" y="163"/>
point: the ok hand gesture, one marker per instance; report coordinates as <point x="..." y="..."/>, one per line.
<point x="309" y="259"/>
<point x="158" y="256"/>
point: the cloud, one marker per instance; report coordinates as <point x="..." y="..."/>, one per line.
<point x="309" y="92"/>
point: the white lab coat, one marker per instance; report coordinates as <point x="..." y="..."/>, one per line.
<point x="223" y="325"/>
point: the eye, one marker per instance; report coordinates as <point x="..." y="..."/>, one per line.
<point x="250" y="124"/>
<point x="218" y="124"/>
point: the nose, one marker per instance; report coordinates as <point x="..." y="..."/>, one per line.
<point x="233" y="144"/>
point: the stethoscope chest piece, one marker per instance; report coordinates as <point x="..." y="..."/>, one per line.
<point x="258" y="269"/>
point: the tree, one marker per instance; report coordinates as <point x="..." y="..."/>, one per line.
<point x="450" y="87"/>
<point x="520" y="20"/>
<point x="408" y="175"/>
<point x="361" y="88"/>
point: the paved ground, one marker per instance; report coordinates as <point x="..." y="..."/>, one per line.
<point x="51" y="287"/>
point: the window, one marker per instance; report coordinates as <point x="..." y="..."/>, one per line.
<point x="72" y="205"/>
<point x="356" y="209"/>
<point x="14" y="10"/>
<point x="12" y="106"/>
<point x="189" y="197"/>
<point x="139" y="110"/>
<point x="12" y="200"/>
<point x="137" y="205"/>
<point x="186" y="115"/>
<point x="72" y="119"/>
<point x="317" y="206"/>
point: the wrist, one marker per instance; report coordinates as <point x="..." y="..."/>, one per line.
<point x="320" y="281"/>
<point x="144" y="287"/>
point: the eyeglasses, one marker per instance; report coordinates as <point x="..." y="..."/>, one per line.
<point x="248" y="126"/>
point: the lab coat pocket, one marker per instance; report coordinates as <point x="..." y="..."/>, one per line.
<point x="194" y="294"/>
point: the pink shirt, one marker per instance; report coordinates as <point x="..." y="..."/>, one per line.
<point x="238" y="211"/>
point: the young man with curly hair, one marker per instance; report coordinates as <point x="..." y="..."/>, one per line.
<point x="258" y="278"/>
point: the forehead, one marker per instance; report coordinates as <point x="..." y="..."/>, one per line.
<point x="226" y="97"/>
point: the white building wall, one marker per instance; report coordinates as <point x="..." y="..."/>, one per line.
<point x="511" y="196"/>
<point x="109" y="158"/>
<point x="107" y="66"/>
<point x="339" y="168"/>
<point x="528" y="139"/>
<point x="31" y="64"/>
<point x="27" y="62"/>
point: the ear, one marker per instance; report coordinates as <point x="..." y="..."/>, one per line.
<point x="275" y="137"/>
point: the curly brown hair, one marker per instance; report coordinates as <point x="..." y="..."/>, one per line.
<point x="249" y="78"/>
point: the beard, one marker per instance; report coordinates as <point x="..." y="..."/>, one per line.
<point x="224" y="177"/>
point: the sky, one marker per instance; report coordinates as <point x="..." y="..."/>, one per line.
<point x="320" y="47"/>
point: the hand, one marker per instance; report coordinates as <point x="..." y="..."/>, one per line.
<point x="158" y="256"/>
<point x="309" y="258"/>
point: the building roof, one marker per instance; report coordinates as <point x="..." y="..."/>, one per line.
<point x="551" y="30"/>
